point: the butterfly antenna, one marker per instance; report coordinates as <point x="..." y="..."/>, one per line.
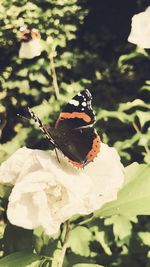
<point x="56" y="154"/>
<point x="25" y="118"/>
<point x="44" y="130"/>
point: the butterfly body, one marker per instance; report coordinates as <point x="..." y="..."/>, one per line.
<point x="74" y="133"/>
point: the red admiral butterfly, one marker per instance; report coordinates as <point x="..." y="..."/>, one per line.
<point x="26" y="35"/>
<point x="73" y="133"/>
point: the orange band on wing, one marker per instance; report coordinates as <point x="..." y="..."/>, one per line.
<point x="79" y="115"/>
<point x="91" y="155"/>
<point x="95" y="149"/>
<point x="77" y="164"/>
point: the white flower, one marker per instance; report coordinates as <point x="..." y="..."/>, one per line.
<point x="47" y="193"/>
<point x="31" y="49"/>
<point x="11" y="168"/>
<point x="31" y="45"/>
<point x="140" y="31"/>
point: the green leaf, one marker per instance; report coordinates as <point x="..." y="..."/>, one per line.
<point x="11" y="146"/>
<point x="17" y="239"/>
<point x="23" y="72"/>
<point x="143" y="116"/>
<point x="38" y="77"/>
<point x="100" y="237"/>
<point x="87" y="265"/>
<point x="119" y="145"/>
<point x="43" y="244"/>
<point x="20" y="259"/>
<point x="80" y="245"/>
<point x="145" y="139"/>
<point x="5" y="190"/>
<point x="146" y="86"/>
<point x="121" y="226"/>
<point x="145" y="237"/>
<point x="147" y="158"/>
<point x="130" y="105"/>
<point x="134" y="198"/>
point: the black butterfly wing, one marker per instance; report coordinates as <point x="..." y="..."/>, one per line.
<point x="81" y="145"/>
<point x="73" y="133"/>
<point x="77" y="113"/>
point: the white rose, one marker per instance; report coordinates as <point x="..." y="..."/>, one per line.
<point x="30" y="49"/>
<point x="47" y="193"/>
<point x="11" y="168"/>
<point x="140" y="29"/>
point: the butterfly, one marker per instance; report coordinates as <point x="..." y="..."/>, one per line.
<point x="25" y="34"/>
<point x="74" y="134"/>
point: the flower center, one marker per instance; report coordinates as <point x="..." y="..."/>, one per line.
<point x="57" y="197"/>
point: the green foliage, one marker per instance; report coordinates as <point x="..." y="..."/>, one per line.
<point x="133" y="199"/>
<point x="136" y="116"/>
<point x="17" y="239"/>
<point x="30" y="82"/>
<point x="21" y="260"/>
<point x="122" y="227"/>
<point x="87" y="265"/>
<point x="80" y="246"/>
<point x="145" y="237"/>
<point x="5" y="190"/>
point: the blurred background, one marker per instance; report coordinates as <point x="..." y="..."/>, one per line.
<point x="84" y="46"/>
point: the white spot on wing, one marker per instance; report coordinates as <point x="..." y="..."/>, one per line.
<point x="88" y="93"/>
<point x="74" y="102"/>
<point x="84" y="104"/>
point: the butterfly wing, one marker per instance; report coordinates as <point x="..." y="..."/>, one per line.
<point x="77" y="113"/>
<point x="43" y="128"/>
<point x="73" y="133"/>
<point x="81" y="146"/>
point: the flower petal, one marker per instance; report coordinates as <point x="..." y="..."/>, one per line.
<point x="47" y="193"/>
<point x="11" y="168"/>
<point x="31" y="49"/>
<point x="140" y="29"/>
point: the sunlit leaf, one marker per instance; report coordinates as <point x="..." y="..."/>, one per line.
<point x="143" y="117"/>
<point x="80" y="245"/>
<point x="87" y="265"/>
<point x="121" y="226"/>
<point x="145" y="237"/>
<point x="134" y="198"/>
<point x="21" y="260"/>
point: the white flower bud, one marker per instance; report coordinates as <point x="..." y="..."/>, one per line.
<point x="31" y="49"/>
<point x="140" y="29"/>
<point x="30" y="43"/>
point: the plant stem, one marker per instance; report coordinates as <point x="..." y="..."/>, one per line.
<point x="136" y="128"/>
<point x="54" y="76"/>
<point x="64" y="247"/>
<point x="140" y="133"/>
<point x="3" y="124"/>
